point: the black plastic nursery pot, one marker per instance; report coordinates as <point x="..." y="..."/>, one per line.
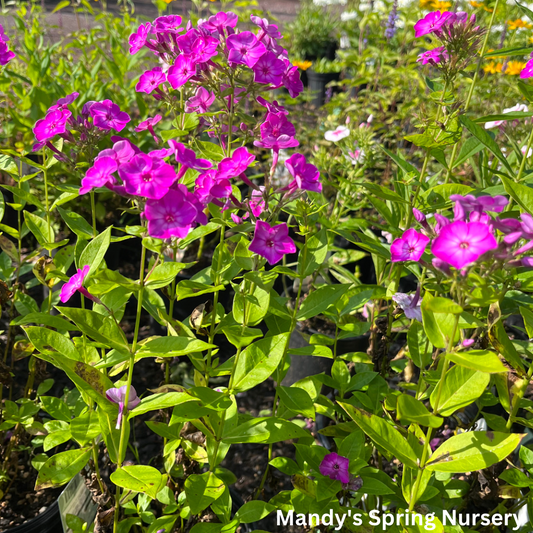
<point x="317" y="82"/>
<point x="48" y="521"/>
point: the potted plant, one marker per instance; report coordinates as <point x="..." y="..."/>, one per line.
<point x="322" y="73"/>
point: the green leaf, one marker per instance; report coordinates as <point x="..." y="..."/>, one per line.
<point x="61" y="468"/>
<point x="172" y="347"/>
<point x="265" y="430"/>
<point x="297" y="400"/>
<point x="319" y="300"/>
<point x="482" y="360"/>
<point x="93" y="254"/>
<point x="253" y="511"/>
<point x="258" y="361"/>
<point x="76" y="223"/>
<point x="516" y="115"/>
<point x="39" y="228"/>
<point x="85" y="428"/>
<point x="188" y="289"/>
<point x="402" y="163"/>
<point x="164" y="274"/>
<point x="56" y="408"/>
<point x="139" y="478"/>
<point x="100" y="328"/>
<point x="411" y="410"/>
<point x="285" y="465"/>
<point x="353" y="445"/>
<point x="444" y="305"/>
<point x="520" y="193"/>
<point x="527" y="315"/>
<point x="418" y="345"/>
<point x="525" y="10"/>
<point x="469" y="148"/>
<point x="172" y="134"/>
<point x="45" y="319"/>
<point x="202" y="490"/>
<point x="312" y="257"/>
<point x="462" y="386"/>
<point x="508" y="52"/>
<point x="485" y="137"/>
<point x="439" y="327"/>
<point x="51" y="342"/>
<point x="473" y="450"/>
<point x="383" y="434"/>
<point x="158" y="401"/>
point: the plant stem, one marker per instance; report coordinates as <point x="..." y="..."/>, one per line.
<point x="45" y="177"/>
<point x="518" y="397"/>
<point x="472" y="86"/>
<point x="425" y="450"/>
<point x="93" y="211"/>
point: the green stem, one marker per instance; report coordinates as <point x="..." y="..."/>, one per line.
<point x="45" y="177"/>
<point x="472" y="87"/>
<point x="93" y="211"/>
<point x="524" y="158"/>
<point x="425" y="450"/>
<point x="518" y="397"/>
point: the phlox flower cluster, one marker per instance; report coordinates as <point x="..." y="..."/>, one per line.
<point x="213" y="61"/>
<point x="473" y="238"/>
<point x="459" y="38"/>
<point x="6" y="55"/>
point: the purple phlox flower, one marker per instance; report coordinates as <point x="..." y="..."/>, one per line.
<point x="527" y="262"/>
<point x="86" y="109"/>
<point x="527" y="71"/>
<point x="337" y="134"/>
<point x="236" y="91"/>
<point x="481" y="204"/>
<point x="292" y="82"/>
<point x="266" y="28"/>
<point x="170" y="216"/>
<point x="6" y="55"/>
<point x="108" y="116"/>
<point x="272" y="107"/>
<point x="199" y="47"/>
<point x="510" y="227"/>
<point x="99" y="175"/>
<point x="272" y="243"/>
<point x="432" y="23"/>
<point x="216" y="24"/>
<point x="138" y="39"/>
<point x="54" y="123"/>
<point x="122" y="152"/>
<point x="187" y="159"/>
<point x="462" y="243"/>
<point x="210" y="185"/>
<point x="409" y="247"/>
<point x="3" y="36"/>
<point x="62" y="103"/>
<point x="410" y="304"/>
<point x="433" y="57"/>
<point x="75" y="283"/>
<point x="441" y="222"/>
<point x="167" y="24"/>
<point x="257" y="202"/>
<point x="162" y="153"/>
<point x="181" y="71"/>
<point x="306" y="176"/>
<point x="277" y="132"/>
<point x="151" y="80"/>
<point x="201" y="217"/>
<point x="240" y="160"/>
<point x="526" y="232"/>
<point x="335" y="467"/>
<point x="147" y="177"/>
<point x="517" y="107"/>
<point x="200" y="102"/>
<point x="268" y="69"/>
<point x="119" y="396"/>
<point x="244" y="48"/>
<point x="149" y="124"/>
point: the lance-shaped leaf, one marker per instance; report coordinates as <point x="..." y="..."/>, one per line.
<point x="482" y="360"/>
<point x="93" y="254"/>
<point x="202" y="490"/>
<point x="52" y="343"/>
<point x="61" y="468"/>
<point x="473" y="450"/>
<point x="172" y="347"/>
<point x="383" y="434"/>
<point x="139" y="478"/>
<point x="265" y="430"/>
<point x="410" y="409"/>
<point x="521" y="194"/>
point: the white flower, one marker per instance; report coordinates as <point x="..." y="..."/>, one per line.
<point x="336" y="135"/>
<point x="523" y="150"/>
<point x="349" y="15"/>
<point x="517" y="107"/>
<point x="329" y="2"/>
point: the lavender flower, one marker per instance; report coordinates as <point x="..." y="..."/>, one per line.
<point x="390" y="31"/>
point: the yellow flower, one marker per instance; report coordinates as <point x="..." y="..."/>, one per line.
<point x="493" y="68"/>
<point x="426" y="3"/>
<point x="302" y="65"/>
<point x="518" y="23"/>
<point x="435" y="4"/>
<point x="514" y="68"/>
<point x="473" y="3"/>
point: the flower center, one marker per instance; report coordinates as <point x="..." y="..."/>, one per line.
<point x="412" y="249"/>
<point x="336" y="466"/>
<point x="244" y="51"/>
<point x="270" y="243"/>
<point x="464" y="245"/>
<point x="146" y="177"/>
<point x="169" y="218"/>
